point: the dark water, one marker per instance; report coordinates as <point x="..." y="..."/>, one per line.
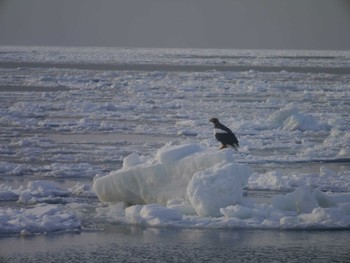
<point x="136" y="244"/>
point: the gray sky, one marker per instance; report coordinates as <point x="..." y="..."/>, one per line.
<point x="257" y="24"/>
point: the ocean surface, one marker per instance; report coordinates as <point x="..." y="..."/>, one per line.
<point x="137" y="244"/>
<point x="72" y="115"/>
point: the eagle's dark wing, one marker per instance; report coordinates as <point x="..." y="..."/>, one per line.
<point x="225" y="136"/>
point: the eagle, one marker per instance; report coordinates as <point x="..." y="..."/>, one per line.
<point x="224" y="135"/>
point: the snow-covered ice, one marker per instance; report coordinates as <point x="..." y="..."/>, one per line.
<point x="95" y="135"/>
<point x="210" y="185"/>
<point x="41" y="218"/>
<point x="208" y="180"/>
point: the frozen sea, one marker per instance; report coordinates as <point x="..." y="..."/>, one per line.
<point x="72" y="117"/>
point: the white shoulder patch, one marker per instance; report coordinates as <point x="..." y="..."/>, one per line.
<point x="216" y="130"/>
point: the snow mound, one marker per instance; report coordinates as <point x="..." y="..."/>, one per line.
<point x="217" y="187"/>
<point x="207" y="180"/>
<point x="291" y="119"/>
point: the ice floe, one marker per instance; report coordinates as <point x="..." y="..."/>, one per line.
<point x="177" y="172"/>
<point x="41" y="208"/>
<point x="68" y="114"/>
<point x="41" y="218"/>
<point x="193" y="186"/>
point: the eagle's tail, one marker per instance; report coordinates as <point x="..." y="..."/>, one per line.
<point x="235" y="145"/>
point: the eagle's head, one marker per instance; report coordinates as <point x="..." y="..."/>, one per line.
<point x="214" y="120"/>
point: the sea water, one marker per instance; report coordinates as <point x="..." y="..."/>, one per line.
<point x="72" y="116"/>
<point x="137" y="244"/>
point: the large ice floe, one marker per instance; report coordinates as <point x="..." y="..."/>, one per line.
<point x="205" y="180"/>
<point x="193" y="186"/>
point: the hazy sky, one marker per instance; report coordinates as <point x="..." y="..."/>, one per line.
<point x="262" y="24"/>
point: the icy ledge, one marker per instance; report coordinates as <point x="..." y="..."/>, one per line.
<point x="190" y="186"/>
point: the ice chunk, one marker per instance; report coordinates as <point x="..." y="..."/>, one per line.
<point x="82" y="190"/>
<point x="217" y="187"/>
<point x="111" y="212"/>
<point x="155" y="210"/>
<point x="237" y="211"/>
<point x="271" y="180"/>
<point x="181" y="205"/>
<point x="322" y="199"/>
<point x="302" y="200"/>
<point x="131" y="160"/>
<point x="178" y="172"/>
<point x="290" y="118"/>
<point x="41" y="189"/>
<point x="41" y="218"/>
<point x="323" y="217"/>
<point x="152" y="214"/>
